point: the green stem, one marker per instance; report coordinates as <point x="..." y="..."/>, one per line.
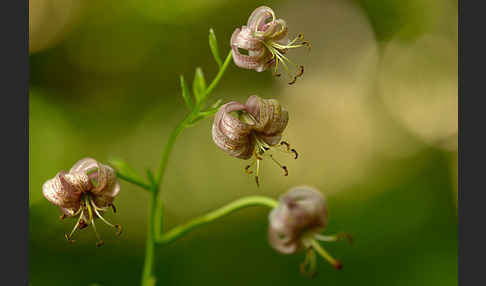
<point x="155" y="218"/>
<point x="180" y="230"/>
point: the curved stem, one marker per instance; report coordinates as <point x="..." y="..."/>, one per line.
<point x="155" y="217"/>
<point x="180" y="230"/>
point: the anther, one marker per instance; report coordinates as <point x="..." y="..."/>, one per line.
<point x="118" y="229"/>
<point x="99" y="243"/>
<point x="247" y="170"/>
<point x="286" y="171"/>
<point x="295" y="153"/>
<point x="68" y="238"/>
<point x="113" y="208"/>
<point x="286" y="144"/>
<point x="82" y="224"/>
<point x="257" y="181"/>
<point x="63" y="216"/>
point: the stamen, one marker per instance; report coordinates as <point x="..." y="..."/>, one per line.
<point x="336" y="237"/>
<point x="257" y="171"/>
<point x="63" y="216"/>
<point x="69" y="236"/>
<point x="295" y="152"/>
<point x="116" y="226"/>
<point x="322" y="252"/>
<point x="113" y="208"/>
<point x="91" y="218"/>
<point x="308" y="267"/>
<point x="286" y="144"/>
<point x="280" y="165"/>
<point x="301" y="72"/>
<point x="247" y="169"/>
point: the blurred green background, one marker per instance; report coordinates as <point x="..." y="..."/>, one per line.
<point x="374" y="119"/>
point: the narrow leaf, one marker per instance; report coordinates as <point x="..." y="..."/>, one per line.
<point x="186" y="94"/>
<point x="199" y="85"/>
<point x="213" y="45"/>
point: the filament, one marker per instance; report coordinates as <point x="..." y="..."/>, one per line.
<point x="322" y="252"/>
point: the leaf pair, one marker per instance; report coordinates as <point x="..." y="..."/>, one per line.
<point x="198" y="89"/>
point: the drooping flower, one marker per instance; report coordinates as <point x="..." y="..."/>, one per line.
<point x="296" y="224"/>
<point x="263" y="43"/>
<point x="251" y="130"/>
<point x="85" y="192"/>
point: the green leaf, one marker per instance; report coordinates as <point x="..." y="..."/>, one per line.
<point x="186" y="94"/>
<point x="127" y="173"/>
<point x="213" y="45"/>
<point x="199" y="85"/>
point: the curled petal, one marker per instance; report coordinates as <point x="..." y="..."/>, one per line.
<point x="258" y="60"/>
<point x="276" y="30"/>
<point x="61" y="192"/>
<point x="271" y="118"/>
<point x="257" y="19"/>
<point x="107" y="197"/>
<point x="300" y="211"/>
<point x="231" y="134"/>
<point x="244" y="39"/>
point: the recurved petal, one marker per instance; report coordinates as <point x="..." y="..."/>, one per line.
<point x="244" y="39"/>
<point x="271" y="118"/>
<point x="61" y="193"/>
<point x="259" y="59"/>
<point x="280" y="235"/>
<point x="107" y="197"/>
<point x="276" y="30"/>
<point x="84" y="165"/>
<point x="230" y="133"/>
<point x="258" y="18"/>
<point x="104" y="179"/>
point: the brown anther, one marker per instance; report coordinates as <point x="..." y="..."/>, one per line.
<point x="338" y="265"/>
<point x="68" y="238"/>
<point x="82" y="224"/>
<point x="113" y="208"/>
<point x="118" y="229"/>
<point x="295" y="153"/>
<point x="286" y="171"/>
<point x="346" y="236"/>
<point x="257" y="181"/>
<point x="247" y="170"/>
<point x="286" y="144"/>
<point x="99" y="243"/>
<point x="63" y="216"/>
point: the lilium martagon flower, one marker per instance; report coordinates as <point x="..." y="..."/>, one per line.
<point x="85" y="192"/>
<point x="263" y="43"/>
<point x="297" y="224"/>
<point x="252" y="131"/>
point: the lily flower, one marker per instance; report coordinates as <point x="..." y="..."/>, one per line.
<point x="297" y="224"/>
<point x="251" y="130"/>
<point x="263" y="43"/>
<point x="85" y="192"/>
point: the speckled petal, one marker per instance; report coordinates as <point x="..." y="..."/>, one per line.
<point x="61" y="192"/>
<point x="230" y="133"/>
<point x="271" y="118"/>
<point x="244" y="39"/>
<point x="256" y="59"/>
